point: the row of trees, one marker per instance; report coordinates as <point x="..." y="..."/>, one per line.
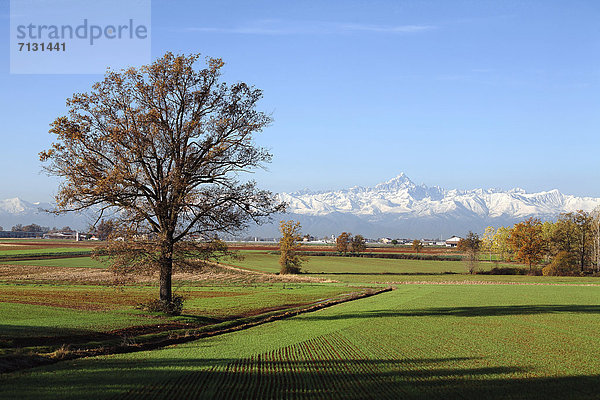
<point x="568" y="246"/>
<point x="346" y="243"/>
<point x="290" y="260"/>
<point x="37" y="228"/>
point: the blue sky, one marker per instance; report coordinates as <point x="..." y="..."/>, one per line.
<point x="460" y="94"/>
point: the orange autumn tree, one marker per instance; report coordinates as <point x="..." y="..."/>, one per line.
<point x="289" y="259"/>
<point x="417" y="245"/>
<point x="342" y="242"/>
<point x="163" y="147"/>
<point x="527" y="242"/>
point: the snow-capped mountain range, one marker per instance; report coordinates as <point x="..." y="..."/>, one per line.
<point x="400" y="196"/>
<point x="396" y="208"/>
<point x="400" y="208"/>
<point x="17" y="211"/>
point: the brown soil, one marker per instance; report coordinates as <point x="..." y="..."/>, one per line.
<point x="92" y="300"/>
<point x="211" y="273"/>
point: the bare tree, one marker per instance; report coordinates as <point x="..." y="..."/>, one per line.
<point x="165" y="145"/>
<point x="470" y="245"/>
<point x="104" y="229"/>
<point x="595" y="237"/>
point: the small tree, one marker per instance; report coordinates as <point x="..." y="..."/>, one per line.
<point x="583" y="223"/>
<point x="501" y="245"/>
<point x="470" y="246"/>
<point x="289" y="260"/>
<point x="394" y="242"/>
<point x="595" y="237"/>
<point x="104" y="229"/>
<point x="548" y="232"/>
<point x="487" y="242"/>
<point x="527" y="242"/>
<point x="358" y="244"/>
<point x="342" y="243"/>
<point x="563" y="264"/>
<point x="417" y="245"/>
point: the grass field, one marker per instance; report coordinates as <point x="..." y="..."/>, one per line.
<point x="40" y="316"/>
<point x="43" y="250"/>
<point x="440" y="334"/>
<point x="356" y="265"/>
<point x="431" y="341"/>
<point x="83" y="262"/>
<point x="37" y="310"/>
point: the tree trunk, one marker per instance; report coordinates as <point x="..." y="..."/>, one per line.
<point x="166" y="269"/>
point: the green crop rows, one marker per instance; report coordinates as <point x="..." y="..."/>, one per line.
<point x="419" y="341"/>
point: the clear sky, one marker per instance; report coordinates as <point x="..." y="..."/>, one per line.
<point x="460" y="94"/>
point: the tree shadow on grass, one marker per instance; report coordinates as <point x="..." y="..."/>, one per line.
<point x="260" y="377"/>
<point x="480" y="311"/>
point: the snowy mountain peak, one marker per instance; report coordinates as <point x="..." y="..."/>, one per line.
<point x="15" y="211"/>
<point x="399" y="202"/>
<point x="401" y="195"/>
<point x="13" y="206"/>
<point x="399" y="182"/>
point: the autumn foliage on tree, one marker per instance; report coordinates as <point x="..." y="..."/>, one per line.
<point x="289" y="260"/>
<point x="342" y="243"/>
<point x="527" y="242"/>
<point x="163" y="147"/>
<point x="573" y="234"/>
<point x="358" y="244"/>
<point x="417" y="245"/>
<point x="488" y="242"/>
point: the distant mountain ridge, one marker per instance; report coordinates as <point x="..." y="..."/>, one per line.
<point x="401" y="196"/>
<point x="396" y="208"/>
<point x="17" y="211"/>
<point x="400" y="208"/>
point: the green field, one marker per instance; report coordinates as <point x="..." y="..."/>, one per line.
<point x="351" y="265"/>
<point x="440" y="334"/>
<point x="82" y="262"/>
<point x="47" y="310"/>
<point x="47" y="250"/>
<point x="419" y="341"/>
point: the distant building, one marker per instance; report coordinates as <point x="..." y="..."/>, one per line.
<point x="453" y="241"/>
<point x="61" y="235"/>
<point x="68" y="235"/>
<point x="385" y="240"/>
